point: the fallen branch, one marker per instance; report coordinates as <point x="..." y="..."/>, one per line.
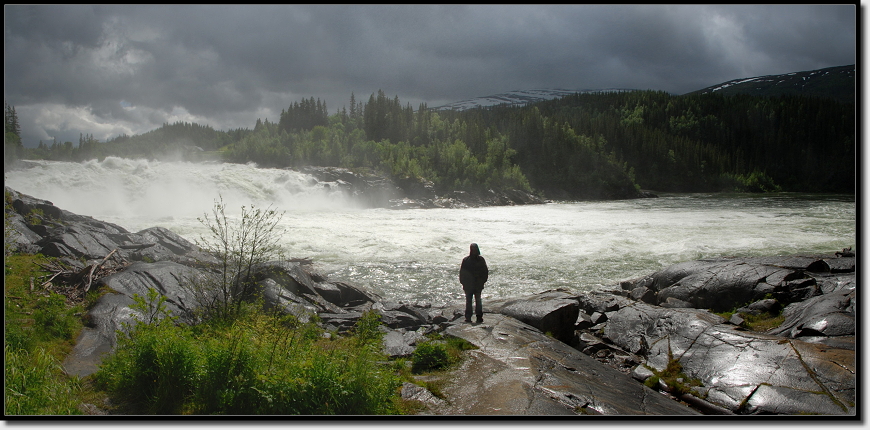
<point x="74" y="282"/>
<point x="94" y="267"/>
<point x="46" y="283"/>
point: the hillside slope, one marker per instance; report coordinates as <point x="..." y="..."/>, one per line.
<point x="837" y="83"/>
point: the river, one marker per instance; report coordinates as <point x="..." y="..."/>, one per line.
<point x="415" y="254"/>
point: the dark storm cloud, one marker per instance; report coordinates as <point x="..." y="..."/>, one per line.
<point x="108" y="70"/>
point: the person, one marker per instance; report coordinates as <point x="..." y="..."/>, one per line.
<point x="473" y="273"/>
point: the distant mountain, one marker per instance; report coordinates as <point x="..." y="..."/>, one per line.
<point x="832" y="82"/>
<point x="519" y="98"/>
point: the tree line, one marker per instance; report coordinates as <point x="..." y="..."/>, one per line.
<point x="598" y="145"/>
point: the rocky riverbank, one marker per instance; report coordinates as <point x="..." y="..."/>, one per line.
<point x="553" y="353"/>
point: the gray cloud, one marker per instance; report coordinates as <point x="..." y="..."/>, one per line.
<point x="117" y="69"/>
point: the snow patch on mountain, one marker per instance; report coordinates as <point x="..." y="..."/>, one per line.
<point x="520" y="97"/>
<point x="797" y="80"/>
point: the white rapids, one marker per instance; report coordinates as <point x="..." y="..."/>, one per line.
<point x="415" y="254"/>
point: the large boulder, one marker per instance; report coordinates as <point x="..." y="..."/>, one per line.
<point x="288" y="286"/>
<point x="345" y="294"/>
<point x="40" y="227"/>
<point x="399" y="315"/>
<point x="723" y="284"/>
<point x="113" y="311"/>
<point x="168" y="278"/>
<point x="552" y="312"/>
<point x="162" y="244"/>
<point x="110" y="314"/>
<point x="831" y="314"/>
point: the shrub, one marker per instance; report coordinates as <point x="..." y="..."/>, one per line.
<point x="430" y="355"/>
<point x="154" y="367"/>
<point x="238" y="247"/>
<point x="258" y="364"/>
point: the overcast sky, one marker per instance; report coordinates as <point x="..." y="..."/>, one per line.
<point x="108" y="70"/>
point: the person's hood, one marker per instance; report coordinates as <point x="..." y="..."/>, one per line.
<point x="475" y="250"/>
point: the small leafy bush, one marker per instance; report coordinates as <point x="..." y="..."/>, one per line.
<point x="430" y="355"/>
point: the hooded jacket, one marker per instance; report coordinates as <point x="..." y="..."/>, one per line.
<point x="473" y="271"/>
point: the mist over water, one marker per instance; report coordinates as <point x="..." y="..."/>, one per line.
<point x="415" y="254"/>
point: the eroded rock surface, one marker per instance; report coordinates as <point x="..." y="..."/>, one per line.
<point x="518" y="370"/>
<point x="738" y="368"/>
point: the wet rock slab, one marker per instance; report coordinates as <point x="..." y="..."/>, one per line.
<point x="518" y="370"/>
<point x="743" y="371"/>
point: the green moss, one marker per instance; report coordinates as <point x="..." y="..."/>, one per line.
<point x="673" y="376"/>
<point x="763" y="322"/>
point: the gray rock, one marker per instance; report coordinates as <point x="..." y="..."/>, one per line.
<point x="275" y="296"/>
<point x="108" y="316"/>
<point x="830" y="314"/>
<point x="672" y="302"/>
<point x="720" y="285"/>
<point x="598" y="317"/>
<point x="641" y="373"/>
<point x="345" y="294"/>
<point x="733" y="365"/>
<point x="437" y="316"/>
<point x="840" y="264"/>
<point x="401" y="343"/>
<point x="553" y="312"/>
<point x="643" y="294"/>
<point x="584" y="321"/>
<point x="415" y="392"/>
<point x="517" y="370"/>
<point x="342" y="322"/>
<point x="398" y="319"/>
<point x="836" y="282"/>
<point x="771" y="306"/>
<point x="597" y="301"/>
<point x="169" y="279"/>
<point x="725" y="283"/>
<point x="76" y="240"/>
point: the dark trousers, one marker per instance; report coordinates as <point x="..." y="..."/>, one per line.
<point x="473" y="293"/>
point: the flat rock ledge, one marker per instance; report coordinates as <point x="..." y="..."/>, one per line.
<point x="518" y="370"/>
<point x="555" y="353"/>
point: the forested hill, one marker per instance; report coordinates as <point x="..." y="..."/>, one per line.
<point x="701" y="142"/>
<point x="837" y="83"/>
<point x="584" y="146"/>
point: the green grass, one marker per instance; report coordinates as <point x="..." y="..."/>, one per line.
<point x="40" y="328"/>
<point x="257" y="364"/>
<point x="763" y="321"/>
<point x="36" y="385"/>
